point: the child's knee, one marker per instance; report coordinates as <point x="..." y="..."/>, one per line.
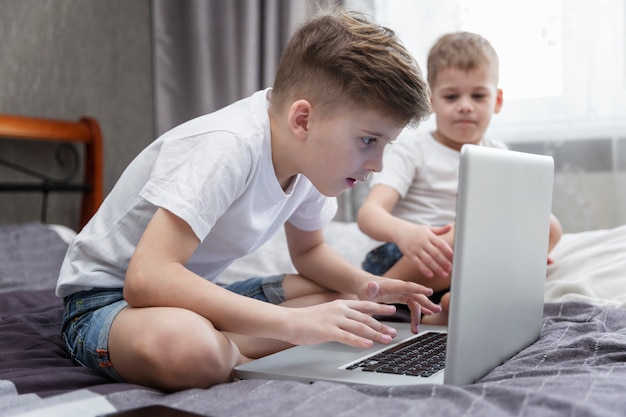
<point x="202" y="360"/>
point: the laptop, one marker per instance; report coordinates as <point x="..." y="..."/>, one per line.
<point x="497" y="286"/>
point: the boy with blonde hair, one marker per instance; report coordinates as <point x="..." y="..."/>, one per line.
<point x="412" y="203"/>
<point x="138" y="280"/>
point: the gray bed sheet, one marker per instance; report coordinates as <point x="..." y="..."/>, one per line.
<point x="576" y="368"/>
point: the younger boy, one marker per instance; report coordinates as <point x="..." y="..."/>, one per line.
<point x="412" y="202"/>
<point x="137" y="281"/>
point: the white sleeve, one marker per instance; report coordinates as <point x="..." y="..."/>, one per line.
<point x="197" y="180"/>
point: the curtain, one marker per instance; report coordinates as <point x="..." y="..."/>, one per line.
<point x="210" y="53"/>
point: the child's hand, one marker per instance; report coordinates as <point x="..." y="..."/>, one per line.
<point x="346" y="321"/>
<point x="426" y="247"/>
<point x="393" y="291"/>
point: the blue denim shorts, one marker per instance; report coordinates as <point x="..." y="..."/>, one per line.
<point x="88" y="316"/>
<point x="268" y="289"/>
<point x="87" y="320"/>
<point x="380" y="259"/>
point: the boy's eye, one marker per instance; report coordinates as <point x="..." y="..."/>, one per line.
<point x="478" y="96"/>
<point x="369" y="140"/>
<point x="450" y="97"/>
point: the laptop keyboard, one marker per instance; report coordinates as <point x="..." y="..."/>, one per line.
<point x="423" y="356"/>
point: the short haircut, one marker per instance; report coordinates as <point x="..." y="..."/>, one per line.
<point x="340" y="58"/>
<point x="461" y="50"/>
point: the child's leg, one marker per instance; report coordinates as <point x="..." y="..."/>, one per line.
<point x="163" y="347"/>
<point x="170" y="349"/>
<point x="277" y="289"/>
<point x="296" y="287"/>
<point x="440" y="319"/>
<point x="556" y="231"/>
<point x="388" y="261"/>
<point x="405" y="270"/>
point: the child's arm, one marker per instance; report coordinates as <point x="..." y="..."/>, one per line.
<point x="157" y="277"/>
<point x="424" y="245"/>
<point x="317" y="261"/>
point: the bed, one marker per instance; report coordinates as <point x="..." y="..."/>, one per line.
<point x="577" y="367"/>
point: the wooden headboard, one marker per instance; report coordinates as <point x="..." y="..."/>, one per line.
<point x="85" y="131"/>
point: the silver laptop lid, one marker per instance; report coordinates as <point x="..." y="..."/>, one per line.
<point x="502" y="229"/>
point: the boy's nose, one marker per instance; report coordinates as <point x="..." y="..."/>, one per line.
<point x="464" y="104"/>
<point x="374" y="164"/>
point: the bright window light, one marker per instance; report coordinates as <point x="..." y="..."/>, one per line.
<point x="561" y="61"/>
<point x="523" y="33"/>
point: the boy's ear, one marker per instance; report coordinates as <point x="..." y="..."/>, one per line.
<point x="300" y="118"/>
<point x="498" y="101"/>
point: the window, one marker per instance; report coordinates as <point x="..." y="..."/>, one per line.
<point x="561" y="61"/>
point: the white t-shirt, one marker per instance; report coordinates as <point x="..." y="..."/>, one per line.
<point x="215" y="172"/>
<point x="426" y="175"/>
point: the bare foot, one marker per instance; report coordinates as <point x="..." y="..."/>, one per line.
<point x="439" y="319"/>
